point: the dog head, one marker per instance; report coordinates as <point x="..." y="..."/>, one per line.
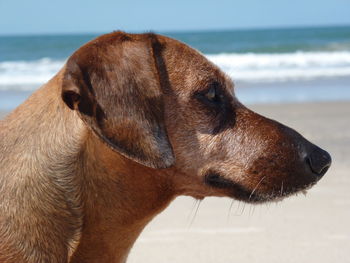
<point x="162" y="104"/>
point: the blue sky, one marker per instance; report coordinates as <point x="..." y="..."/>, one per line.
<point x="72" y="16"/>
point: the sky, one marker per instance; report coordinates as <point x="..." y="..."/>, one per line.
<point x="87" y="16"/>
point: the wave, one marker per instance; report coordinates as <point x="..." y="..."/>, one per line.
<point x="284" y="66"/>
<point x="248" y="67"/>
<point x="27" y="75"/>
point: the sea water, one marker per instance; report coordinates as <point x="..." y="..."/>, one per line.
<point x="267" y="65"/>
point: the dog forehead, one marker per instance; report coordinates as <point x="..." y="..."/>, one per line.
<point x="185" y="65"/>
<point x="190" y="67"/>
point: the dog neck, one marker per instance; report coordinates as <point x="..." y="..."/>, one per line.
<point x="120" y="198"/>
<point x="109" y="199"/>
<point x="39" y="143"/>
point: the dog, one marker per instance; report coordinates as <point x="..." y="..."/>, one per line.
<point x="128" y="124"/>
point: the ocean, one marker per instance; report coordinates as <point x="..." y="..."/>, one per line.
<point x="267" y="65"/>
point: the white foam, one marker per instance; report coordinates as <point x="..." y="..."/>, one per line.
<point x="26" y="74"/>
<point x="251" y="67"/>
<point x="284" y="66"/>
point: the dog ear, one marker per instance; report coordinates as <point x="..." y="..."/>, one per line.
<point x="113" y="83"/>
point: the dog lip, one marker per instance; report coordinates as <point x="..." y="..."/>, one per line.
<point x="237" y="191"/>
<point x="240" y="192"/>
<point x="214" y="179"/>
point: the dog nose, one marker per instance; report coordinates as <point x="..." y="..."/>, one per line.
<point x="319" y="161"/>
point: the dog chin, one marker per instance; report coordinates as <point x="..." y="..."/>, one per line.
<point x="242" y="193"/>
<point x="274" y="196"/>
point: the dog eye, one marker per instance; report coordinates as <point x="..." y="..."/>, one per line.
<point x="211" y="94"/>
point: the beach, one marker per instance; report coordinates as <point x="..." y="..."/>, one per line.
<point x="297" y="76"/>
<point x="311" y="228"/>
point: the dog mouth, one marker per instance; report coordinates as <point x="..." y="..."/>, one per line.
<point x="232" y="189"/>
<point x="242" y="193"/>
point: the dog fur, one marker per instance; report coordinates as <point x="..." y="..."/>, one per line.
<point x="131" y="122"/>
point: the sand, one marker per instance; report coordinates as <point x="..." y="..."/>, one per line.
<point x="311" y="228"/>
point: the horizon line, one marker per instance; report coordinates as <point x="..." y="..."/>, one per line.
<point x="176" y="31"/>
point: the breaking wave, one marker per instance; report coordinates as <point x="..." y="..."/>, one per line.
<point x="249" y="67"/>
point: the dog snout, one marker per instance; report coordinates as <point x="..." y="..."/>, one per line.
<point x="284" y="161"/>
<point x="318" y="161"/>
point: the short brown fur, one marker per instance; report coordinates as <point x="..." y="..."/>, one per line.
<point x="123" y="129"/>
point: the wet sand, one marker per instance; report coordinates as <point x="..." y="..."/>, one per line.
<point x="311" y="228"/>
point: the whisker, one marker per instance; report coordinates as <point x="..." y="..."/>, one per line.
<point x="281" y="192"/>
<point x="237" y="209"/>
<point x="229" y="211"/>
<point x="260" y="211"/>
<point x="195" y="213"/>
<point x="192" y="209"/>
<point x="242" y="211"/>
<point x="256" y="187"/>
<point x="250" y="209"/>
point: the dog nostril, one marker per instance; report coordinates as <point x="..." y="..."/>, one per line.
<point x="319" y="161"/>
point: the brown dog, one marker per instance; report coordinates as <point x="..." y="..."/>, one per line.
<point x="131" y="122"/>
